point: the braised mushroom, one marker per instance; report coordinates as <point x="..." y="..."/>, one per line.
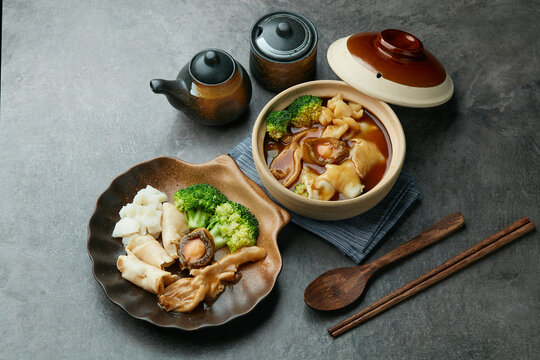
<point x="196" y="249"/>
<point x="323" y="151"/>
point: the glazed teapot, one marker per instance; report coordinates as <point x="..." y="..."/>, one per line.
<point x="212" y="89"/>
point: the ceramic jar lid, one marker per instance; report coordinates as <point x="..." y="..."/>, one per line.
<point x="283" y="36"/>
<point x="212" y="66"/>
<point x="392" y="66"/>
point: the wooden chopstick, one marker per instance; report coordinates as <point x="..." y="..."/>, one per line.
<point x="451" y="266"/>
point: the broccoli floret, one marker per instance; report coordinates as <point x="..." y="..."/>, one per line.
<point x="199" y="203"/>
<point x="233" y="225"/>
<point x="305" y="110"/>
<point x="277" y="123"/>
<point x="301" y="190"/>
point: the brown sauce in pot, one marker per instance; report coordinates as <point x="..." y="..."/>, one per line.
<point x="379" y="137"/>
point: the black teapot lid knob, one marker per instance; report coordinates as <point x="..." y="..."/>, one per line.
<point x="283" y="36"/>
<point x="211" y="58"/>
<point x="212" y="66"/>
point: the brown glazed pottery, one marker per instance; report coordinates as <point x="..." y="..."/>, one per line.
<point x="321" y="209"/>
<point x="212" y="89"/>
<point x="283" y="50"/>
<point x="256" y="280"/>
<point x="410" y="64"/>
<point x="392" y="66"/>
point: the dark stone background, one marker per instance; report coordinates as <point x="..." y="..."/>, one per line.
<point x="76" y="111"/>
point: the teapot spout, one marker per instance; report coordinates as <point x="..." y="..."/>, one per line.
<point x="159" y="86"/>
<point x="174" y="90"/>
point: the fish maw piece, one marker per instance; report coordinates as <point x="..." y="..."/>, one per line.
<point x="185" y="294"/>
<point x="287" y="165"/>
<point x="125" y="227"/>
<point x="354" y="106"/>
<point x="308" y="177"/>
<point x="335" y="131"/>
<point x="174" y="227"/>
<point x="326" y="116"/>
<point x="343" y="178"/>
<point x="351" y="123"/>
<point x="148" y="249"/>
<point x="354" y="127"/>
<point x="321" y="189"/>
<point x="365" y="155"/>
<point x="357" y="109"/>
<point x="143" y="275"/>
<point x="331" y="103"/>
<point x="126" y="239"/>
<point x="341" y="109"/>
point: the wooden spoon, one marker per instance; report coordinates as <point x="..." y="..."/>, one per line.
<point x="338" y="288"/>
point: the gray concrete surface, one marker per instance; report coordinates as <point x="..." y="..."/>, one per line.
<point x="76" y="111"/>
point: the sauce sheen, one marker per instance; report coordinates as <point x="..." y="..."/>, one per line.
<point x="379" y="137"/>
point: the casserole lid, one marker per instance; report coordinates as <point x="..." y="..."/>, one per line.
<point x="392" y="66"/>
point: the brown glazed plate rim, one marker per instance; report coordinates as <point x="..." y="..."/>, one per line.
<point x="168" y="174"/>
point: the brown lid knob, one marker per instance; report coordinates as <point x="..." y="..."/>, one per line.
<point x="399" y="44"/>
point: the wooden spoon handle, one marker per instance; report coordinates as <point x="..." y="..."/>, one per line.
<point x="427" y="237"/>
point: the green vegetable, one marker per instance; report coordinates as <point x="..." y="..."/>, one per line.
<point x="277" y="123"/>
<point x="305" y="110"/>
<point x="234" y="225"/>
<point x="199" y="203"/>
<point x="301" y="190"/>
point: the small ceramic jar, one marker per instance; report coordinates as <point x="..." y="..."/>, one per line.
<point x="283" y="50"/>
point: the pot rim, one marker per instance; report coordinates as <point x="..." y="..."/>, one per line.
<point x="390" y="176"/>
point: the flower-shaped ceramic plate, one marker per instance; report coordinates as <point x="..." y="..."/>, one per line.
<point x="169" y="175"/>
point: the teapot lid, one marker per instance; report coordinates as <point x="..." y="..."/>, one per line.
<point x="212" y="66"/>
<point x="283" y="36"/>
<point x="392" y="66"/>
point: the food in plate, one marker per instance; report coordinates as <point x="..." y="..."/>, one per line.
<point x="149" y="250"/>
<point x="174" y="226"/>
<point x="207" y="283"/>
<point x="196" y="249"/>
<point x="201" y="217"/>
<point x="198" y="202"/>
<point x="142" y="216"/>
<point x="146" y="276"/>
<point x="326" y="149"/>
<point x="233" y="225"/>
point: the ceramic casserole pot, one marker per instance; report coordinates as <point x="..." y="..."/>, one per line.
<point x="390" y="66"/>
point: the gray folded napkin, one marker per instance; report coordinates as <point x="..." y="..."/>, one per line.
<point x="354" y="237"/>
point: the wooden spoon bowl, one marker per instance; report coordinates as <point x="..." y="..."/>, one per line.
<point x="340" y="287"/>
